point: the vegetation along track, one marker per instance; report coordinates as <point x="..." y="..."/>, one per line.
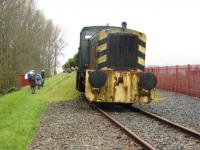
<point x="152" y="131"/>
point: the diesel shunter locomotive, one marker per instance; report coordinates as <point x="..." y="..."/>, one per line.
<point x="111" y="63"/>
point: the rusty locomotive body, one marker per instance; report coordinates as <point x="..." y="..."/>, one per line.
<point x="111" y="66"/>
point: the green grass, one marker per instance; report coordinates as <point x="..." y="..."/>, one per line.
<point x="1" y="94"/>
<point x="21" y="111"/>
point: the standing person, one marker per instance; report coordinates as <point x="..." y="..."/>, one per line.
<point x="32" y="81"/>
<point x="43" y="76"/>
<point x="39" y="80"/>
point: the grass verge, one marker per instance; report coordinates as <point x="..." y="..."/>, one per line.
<point x="21" y="111"/>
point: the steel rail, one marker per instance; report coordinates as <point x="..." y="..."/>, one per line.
<point x="180" y="127"/>
<point x="128" y="131"/>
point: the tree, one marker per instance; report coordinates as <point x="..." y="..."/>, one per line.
<point x="72" y="62"/>
<point x="27" y="41"/>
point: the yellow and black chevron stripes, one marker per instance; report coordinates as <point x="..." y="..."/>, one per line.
<point x="141" y="61"/>
<point x="102" y="35"/>
<point x="142" y="43"/>
<point x="141" y="55"/>
<point x="101" y="53"/>
<point x="102" y="47"/>
<point x="102" y="50"/>
<point x="140" y="67"/>
<point x="102" y="41"/>
<point x="142" y="49"/>
<point x="101" y="59"/>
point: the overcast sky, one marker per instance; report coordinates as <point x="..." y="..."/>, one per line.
<point x="172" y="27"/>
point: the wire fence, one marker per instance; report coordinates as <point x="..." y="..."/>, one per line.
<point x="181" y="79"/>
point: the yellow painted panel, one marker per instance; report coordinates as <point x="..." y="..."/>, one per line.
<point x="142" y="49"/>
<point x="102" y="59"/>
<point x="142" y="37"/>
<point x="89" y="95"/>
<point x="115" y="91"/>
<point x="113" y="30"/>
<point x="141" y="61"/>
<point x="134" y="32"/>
<point x="102" y="47"/>
<point x="102" y="35"/>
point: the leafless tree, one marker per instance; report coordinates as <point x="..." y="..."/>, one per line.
<point x="27" y="41"/>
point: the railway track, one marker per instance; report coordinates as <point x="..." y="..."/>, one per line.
<point x="173" y="124"/>
<point x="169" y="135"/>
<point x="127" y="130"/>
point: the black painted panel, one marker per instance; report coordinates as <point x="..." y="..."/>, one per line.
<point x="122" y="51"/>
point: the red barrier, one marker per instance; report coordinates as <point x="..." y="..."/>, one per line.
<point x="22" y="81"/>
<point x="181" y="79"/>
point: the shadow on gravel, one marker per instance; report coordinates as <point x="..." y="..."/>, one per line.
<point x="109" y="107"/>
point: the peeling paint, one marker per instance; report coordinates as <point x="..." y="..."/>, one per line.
<point x="116" y="91"/>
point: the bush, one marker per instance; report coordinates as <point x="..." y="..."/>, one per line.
<point x="13" y="89"/>
<point x="72" y="62"/>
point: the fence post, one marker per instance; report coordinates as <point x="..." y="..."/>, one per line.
<point x="188" y="74"/>
<point x="176" y="90"/>
<point x="166" y="80"/>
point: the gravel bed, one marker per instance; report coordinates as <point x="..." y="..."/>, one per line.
<point x="179" y="108"/>
<point x="75" y="125"/>
<point x="158" y="134"/>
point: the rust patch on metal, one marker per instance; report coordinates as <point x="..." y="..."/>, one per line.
<point x="116" y="90"/>
<point x="126" y="92"/>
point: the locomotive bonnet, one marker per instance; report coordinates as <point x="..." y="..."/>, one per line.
<point x="111" y="62"/>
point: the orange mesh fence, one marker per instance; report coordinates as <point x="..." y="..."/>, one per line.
<point x="181" y="79"/>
